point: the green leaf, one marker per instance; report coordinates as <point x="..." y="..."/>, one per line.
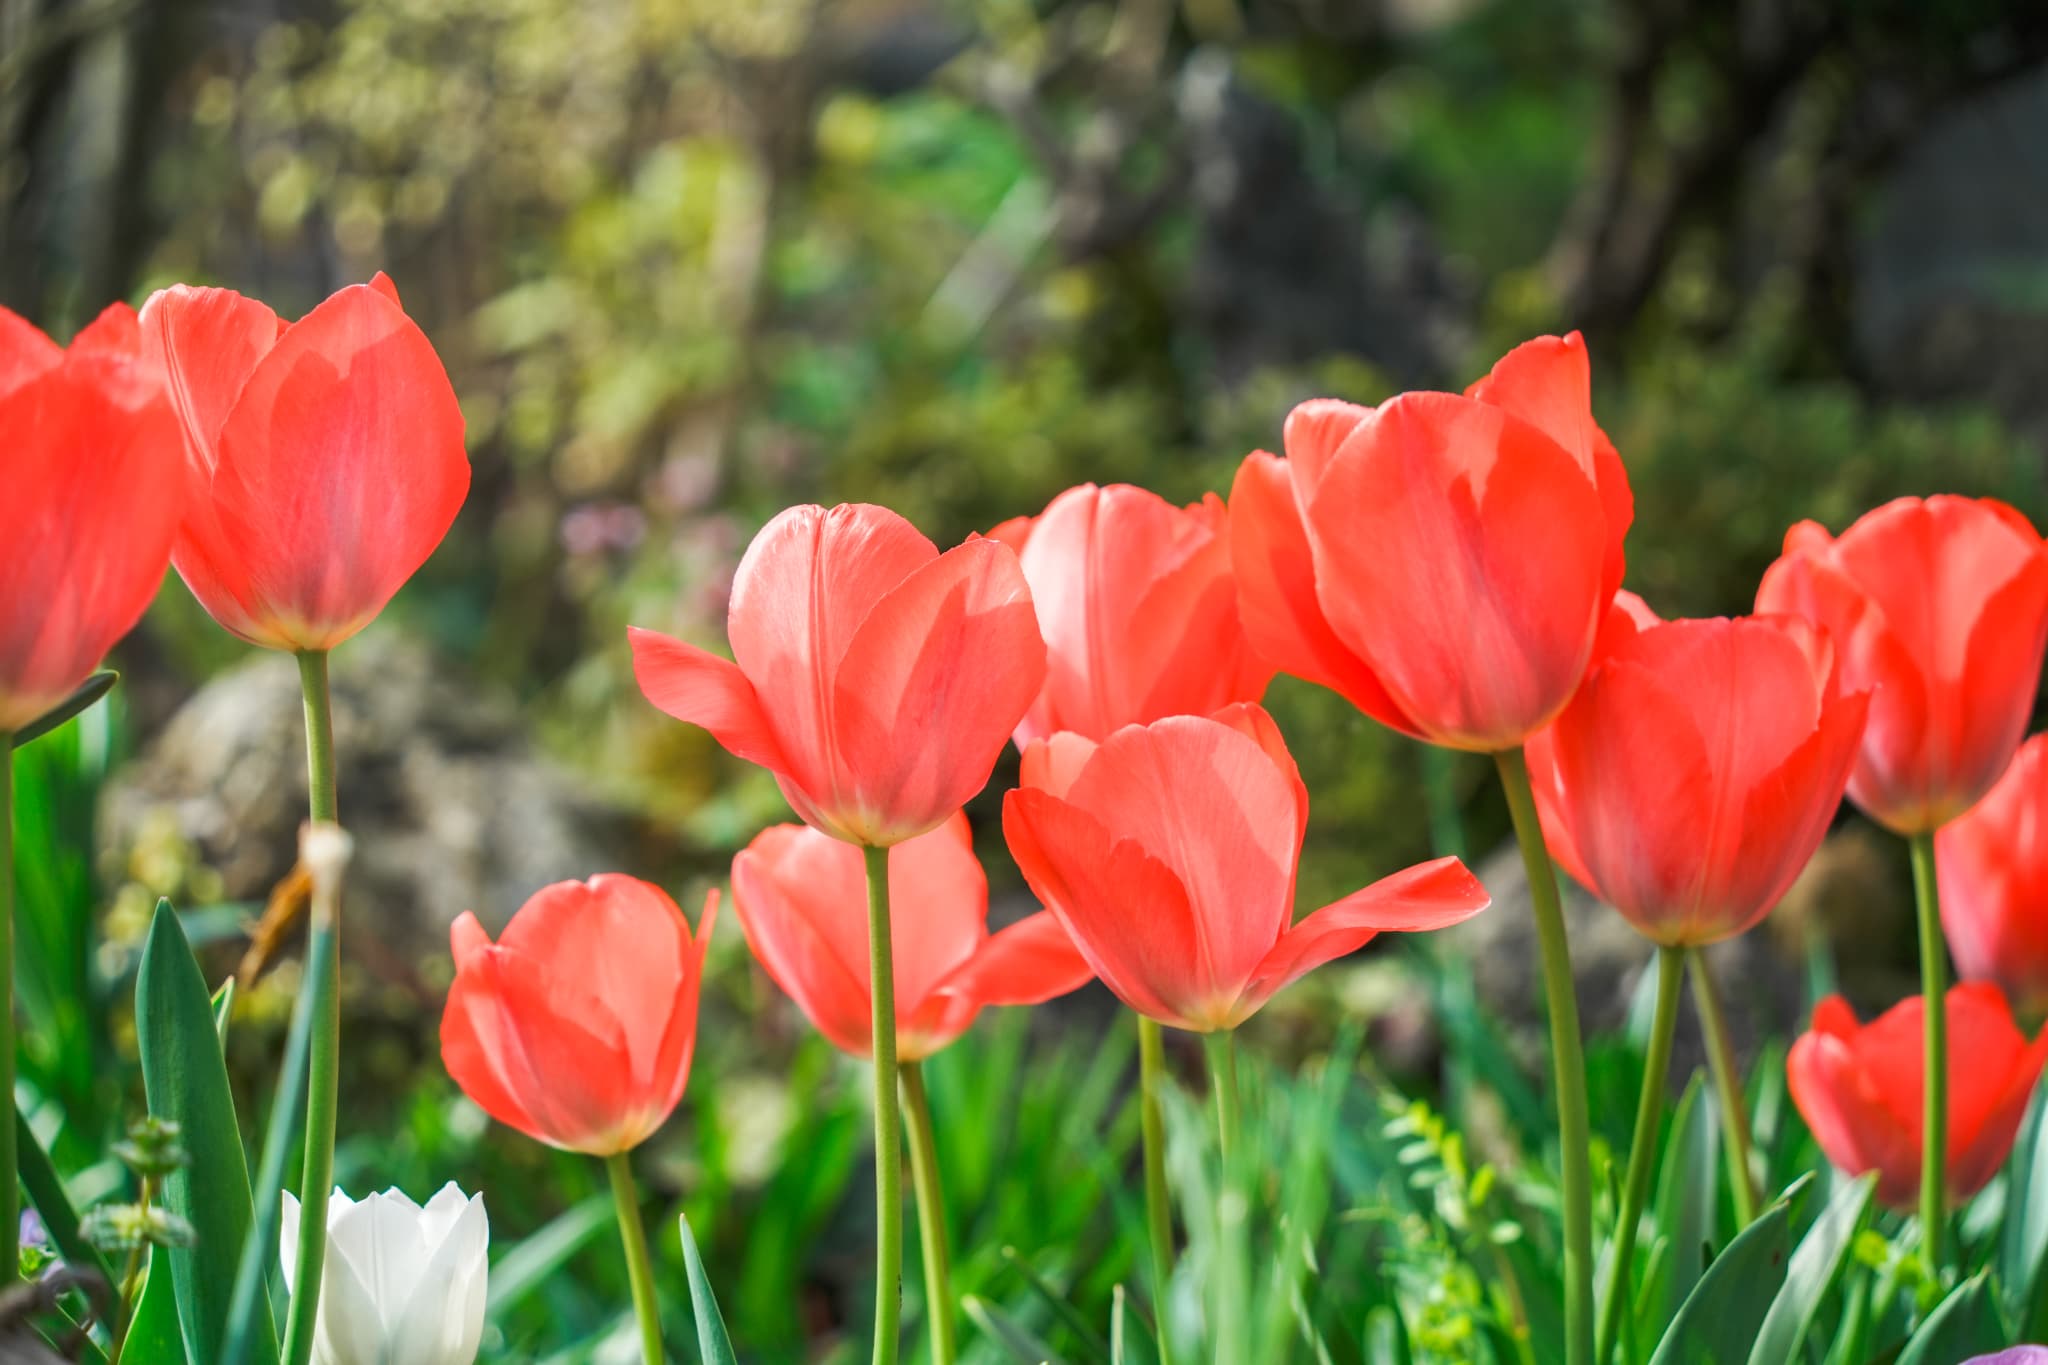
<point x="1720" y="1319"/>
<point x="1091" y="1340"/>
<point x="46" y="1191"/>
<point x="153" y="1337"/>
<point x="186" y="1081"/>
<point x="1687" y="1183"/>
<point x="712" y="1344"/>
<point x="1964" y="1325"/>
<point x="1023" y="1347"/>
<point x="534" y="1261"/>
<point x="89" y="691"/>
<point x="223" y="1010"/>
<point x="2023" y="1249"/>
<point x="1816" y="1265"/>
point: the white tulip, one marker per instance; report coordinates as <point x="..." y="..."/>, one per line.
<point x="404" y="1285"/>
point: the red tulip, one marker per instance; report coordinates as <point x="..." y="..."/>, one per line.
<point x="876" y="678"/>
<point x="1697" y="769"/>
<point x="577" y="1025"/>
<point x="802" y="898"/>
<point x="1859" y="1088"/>
<point x="95" y="489"/>
<point x="1138" y="607"/>
<point x="326" y="457"/>
<point x="1940" y="606"/>
<point x="1992" y="865"/>
<point x="1169" y="853"/>
<point x="1441" y="561"/>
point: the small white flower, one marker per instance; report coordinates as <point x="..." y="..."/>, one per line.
<point x="404" y="1285"/>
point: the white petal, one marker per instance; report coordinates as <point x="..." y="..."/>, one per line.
<point x="351" y="1327"/>
<point x="288" y="1238"/>
<point x="443" y="1320"/>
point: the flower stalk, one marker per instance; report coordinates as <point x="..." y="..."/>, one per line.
<point x="931" y="1213"/>
<point x="1727" y="1087"/>
<point x="1642" y="1151"/>
<point x="1934" y="990"/>
<point x="888" y="1119"/>
<point x="1152" y="1125"/>
<point x="639" y="1265"/>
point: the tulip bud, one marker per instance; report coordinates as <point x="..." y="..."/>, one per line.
<point x="404" y="1284"/>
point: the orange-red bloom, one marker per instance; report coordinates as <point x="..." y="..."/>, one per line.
<point x="802" y="898"/>
<point x="876" y="678"/>
<point x="95" y="486"/>
<point x="1441" y="561"/>
<point x="1859" y="1088"/>
<point x="1138" y="607"/>
<point x="1992" y="865"/>
<point x="1697" y="769"/>
<point x="1940" y="606"/>
<point x="577" y="1025"/>
<point x="326" y="457"/>
<point x="1169" y="852"/>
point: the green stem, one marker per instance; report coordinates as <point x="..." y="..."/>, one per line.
<point x="1568" y="1058"/>
<point x="888" y="1120"/>
<point x="10" y="1187"/>
<point x="1158" y="1211"/>
<point x="324" y="1058"/>
<point x="1230" y="1291"/>
<point x="1642" y="1150"/>
<point x="1222" y="1046"/>
<point x="931" y="1213"/>
<point x="1727" y="1087"/>
<point x="1933" y="990"/>
<point x="639" y="1267"/>
<point x="124" y="1292"/>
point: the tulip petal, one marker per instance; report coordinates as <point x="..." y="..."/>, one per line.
<point x="697" y="686"/>
<point x="1028" y="963"/>
<point x="208" y="342"/>
<point x="679" y="1042"/>
<point x="1988" y="719"/>
<point x="24" y="352"/>
<point x="1313" y="434"/>
<point x="439" y="1320"/>
<point x="1253" y="722"/>
<point x="1052" y="763"/>
<point x="1978" y="1157"/>
<point x="801" y="899"/>
<point x="350" y="1325"/>
<point x="1851" y="1122"/>
<point x="1992" y="863"/>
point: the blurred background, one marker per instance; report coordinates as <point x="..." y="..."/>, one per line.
<point x="689" y="261"/>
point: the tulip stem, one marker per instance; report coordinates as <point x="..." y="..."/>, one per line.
<point x="888" y="1120"/>
<point x="1152" y="1123"/>
<point x="1222" y="1045"/>
<point x="324" y="1053"/>
<point x="1933" y="991"/>
<point x="931" y="1213"/>
<point x="1568" y="1057"/>
<point x="639" y="1266"/>
<point x="1642" y="1150"/>
<point x="10" y="1187"/>
<point x="1727" y="1086"/>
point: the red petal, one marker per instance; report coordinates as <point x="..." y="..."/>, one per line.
<point x="1993" y="867"/>
<point x="694" y="685"/>
<point x="802" y="899"/>
<point x="1028" y="963"/>
<point x="1852" y="1125"/>
<point x="24" y="351"/>
<point x="1051" y="764"/>
<point x="208" y="342"/>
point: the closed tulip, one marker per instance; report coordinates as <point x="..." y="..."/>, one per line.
<point x="1859" y="1088"/>
<point x="1696" y="772"/>
<point x="1443" y="561"/>
<point x="1939" y="606"/>
<point x="1138" y="606"/>
<point x="1992" y="865"/>
<point x="95" y="487"/>
<point x="875" y="677"/>
<point x="802" y="898"/>
<point x="326" y="457"/>
<point x="404" y="1285"/>
<point x="577" y="1025"/>
<point x="1169" y="851"/>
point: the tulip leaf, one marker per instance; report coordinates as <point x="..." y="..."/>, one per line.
<point x="52" y="1202"/>
<point x="1963" y="1325"/>
<point x="534" y="1261"/>
<point x="1687" y="1187"/>
<point x="186" y="1080"/>
<point x="1816" y="1265"/>
<point x="1090" y="1339"/>
<point x="89" y="691"/>
<point x="1022" y="1346"/>
<point x="713" y="1346"/>
<point x="2023" y="1253"/>
<point x="1720" y="1319"/>
<point x="153" y="1337"/>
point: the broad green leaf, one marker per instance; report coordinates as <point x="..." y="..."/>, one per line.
<point x="186" y="1081"/>
<point x="1091" y="1340"/>
<point x="223" y="1010"/>
<point x="89" y="691"/>
<point x="1687" y="1182"/>
<point x="1816" y="1265"/>
<point x="1964" y="1324"/>
<point x="153" y="1337"/>
<point x="713" y="1347"/>
<point x="1719" y="1320"/>
<point x="2023" y="1249"/>
<point x="1022" y="1346"/>
<point x="1385" y="1343"/>
<point x="46" y="1191"/>
<point x="529" y="1265"/>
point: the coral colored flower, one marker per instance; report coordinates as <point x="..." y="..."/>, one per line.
<point x="95" y="487"/>
<point x="1169" y="852"/>
<point x="875" y="677"/>
<point x="1940" y="606"/>
<point x="1138" y="607"/>
<point x="802" y="899"/>
<point x="1992" y="865"/>
<point x="577" y="1025"/>
<point x="1697" y="769"/>
<point x="405" y="1285"/>
<point x="1859" y="1088"/>
<point x="326" y="457"/>
<point x="1441" y="561"/>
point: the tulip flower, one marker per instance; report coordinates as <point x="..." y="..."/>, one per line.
<point x="326" y="457"/>
<point x="577" y="1025"/>
<point x="1859" y="1088"/>
<point x="95" y="490"/>
<point x="875" y="677"/>
<point x="1169" y="852"/>
<point x="802" y="899"/>
<point x="1138" y="607"/>
<point x="1442" y="561"/>
<point x="405" y="1285"/>
<point x="1992" y="868"/>
<point x="1939" y="606"/>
